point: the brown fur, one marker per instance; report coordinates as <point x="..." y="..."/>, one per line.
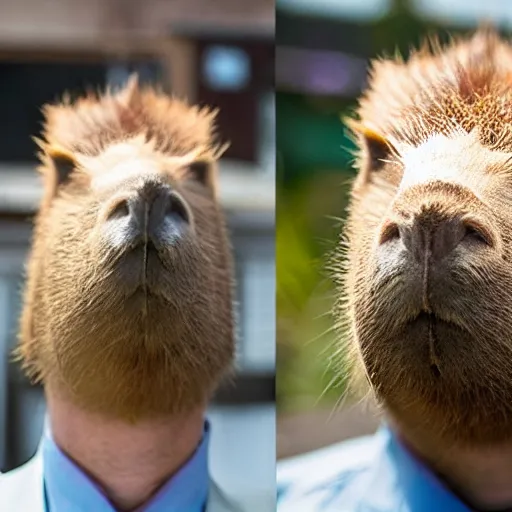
<point x="112" y="351"/>
<point x="451" y="376"/>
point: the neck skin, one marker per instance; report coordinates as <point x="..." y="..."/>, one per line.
<point x="130" y="462"/>
<point x="480" y="476"/>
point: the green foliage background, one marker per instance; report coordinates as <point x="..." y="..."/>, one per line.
<point x="313" y="181"/>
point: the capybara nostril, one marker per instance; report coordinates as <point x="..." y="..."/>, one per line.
<point x="169" y="218"/>
<point x="119" y="209"/>
<point x="478" y="232"/>
<point x="390" y="231"/>
<point x="167" y="207"/>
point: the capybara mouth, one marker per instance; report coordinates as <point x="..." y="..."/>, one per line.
<point x="142" y="266"/>
<point x="439" y="334"/>
<point x="434" y="317"/>
<point x="429" y="320"/>
<point x="140" y="256"/>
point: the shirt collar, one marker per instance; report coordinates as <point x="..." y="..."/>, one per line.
<point x="399" y="481"/>
<point x="68" y="488"/>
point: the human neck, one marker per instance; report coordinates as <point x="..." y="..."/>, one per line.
<point x="130" y="462"/>
<point x="481" y="476"/>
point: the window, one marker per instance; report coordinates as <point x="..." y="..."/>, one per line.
<point x="235" y="76"/>
<point x="26" y="85"/>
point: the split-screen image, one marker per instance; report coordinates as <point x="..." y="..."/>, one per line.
<point x="255" y="256"/>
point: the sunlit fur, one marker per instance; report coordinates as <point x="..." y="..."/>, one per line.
<point x="458" y="99"/>
<point x="81" y="332"/>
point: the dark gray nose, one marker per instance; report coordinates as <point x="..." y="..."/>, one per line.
<point x="154" y="214"/>
<point x="435" y="238"/>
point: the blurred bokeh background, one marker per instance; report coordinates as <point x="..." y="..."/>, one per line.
<point x="219" y="53"/>
<point x="323" y="49"/>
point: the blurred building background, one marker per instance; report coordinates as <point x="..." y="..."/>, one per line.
<point x="322" y="52"/>
<point x="219" y="53"/>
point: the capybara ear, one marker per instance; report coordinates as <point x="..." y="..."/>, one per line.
<point x="200" y="166"/>
<point x="203" y="171"/>
<point x="204" y="168"/>
<point x="63" y="163"/>
<point x="376" y="149"/>
<point x="58" y="163"/>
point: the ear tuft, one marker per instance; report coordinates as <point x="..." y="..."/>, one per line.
<point x="376" y="148"/>
<point x="126" y="95"/>
<point x="64" y="162"/>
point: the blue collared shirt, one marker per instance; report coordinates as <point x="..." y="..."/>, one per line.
<point x="69" y="489"/>
<point x="369" y="474"/>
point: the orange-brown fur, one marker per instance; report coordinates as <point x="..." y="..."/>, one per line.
<point x="80" y="333"/>
<point x="465" y="88"/>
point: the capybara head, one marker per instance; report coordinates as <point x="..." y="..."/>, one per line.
<point x="128" y="305"/>
<point x="427" y="279"/>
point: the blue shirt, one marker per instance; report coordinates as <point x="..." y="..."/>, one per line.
<point x="69" y="489"/>
<point x="369" y="474"/>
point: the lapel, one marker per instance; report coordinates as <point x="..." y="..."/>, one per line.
<point x="218" y="502"/>
<point x="21" y="490"/>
